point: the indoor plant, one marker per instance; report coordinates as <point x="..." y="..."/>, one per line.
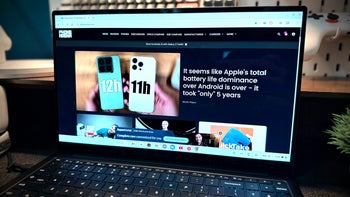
<point x="340" y="132"/>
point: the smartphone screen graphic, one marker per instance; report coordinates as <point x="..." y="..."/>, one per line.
<point x="110" y="82"/>
<point x="142" y="81"/>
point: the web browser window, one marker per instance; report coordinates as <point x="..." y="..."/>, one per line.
<point x="215" y="83"/>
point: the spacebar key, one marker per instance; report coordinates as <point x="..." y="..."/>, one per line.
<point x="234" y="184"/>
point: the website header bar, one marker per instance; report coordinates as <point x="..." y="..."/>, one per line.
<point x="176" y="20"/>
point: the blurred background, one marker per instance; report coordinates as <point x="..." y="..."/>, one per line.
<point x="28" y="25"/>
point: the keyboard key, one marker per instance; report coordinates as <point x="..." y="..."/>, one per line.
<point x="212" y="182"/>
<point x="86" y="175"/>
<point x="196" y="180"/>
<point x="140" y="6"/>
<point x="94" y="185"/>
<point x="68" y="181"/>
<point x="252" y="180"/>
<point x="82" y="183"/>
<point x="155" y="191"/>
<point x="98" y="177"/>
<point x="73" y="174"/>
<point x="252" y="186"/>
<point x="96" y="194"/>
<point x="66" y="191"/>
<point x="140" y="191"/>
<point x="229" y="3"/>
<point x="121" y="6"/>
<point x="170" y="185"/>
<point x="110" y="187"/>
<point x="217" y="191"/>
<point x="52" y="189"/>
<point x="208" y="3"/>
<point x="112" y="6"/>
<point x="113" y="194"/>
<point x="126" y="172"/>
<point x="251" y="193"/>
<point x="140" y="174"/>
<point x="265" y="181"/>
<point x="126" y="180"/>
<point x="281" y="187"/>
<point x="187" y="5"/>
<point x="131" y="6"/>
<point x="155" y="183"/>
<point x="278" y="194"/>
<point x="160" y="5"/>
<point x="153" y="175"/>
<point x="140" y="182"/>
<point x="202" y="189"/>
<point x="172" y="193"/>
<point x="151" y="6"/>
<point x="167" y="177"/>
<point x="182" y="178"/>
<point x="100" y="170"/>
<point x="87" y="168"/>
<point x="218" y="3"/>
<point x="233" y="184"/>
<point x="266" y="187"/>
<point x="125" y="189"/>
<point x="170" y="5"/>
<point x="267" y="194"/>
<point x="234" y="192"/>
<point x="185" y="187"/>
<point x="187" y="194"/>
<point x="81" y="192"/>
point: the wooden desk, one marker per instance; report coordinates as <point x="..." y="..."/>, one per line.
<point x="35" y="83"/>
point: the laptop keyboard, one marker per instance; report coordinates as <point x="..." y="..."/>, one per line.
<point x="65" y="177"/>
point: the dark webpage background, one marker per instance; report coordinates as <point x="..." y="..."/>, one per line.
<point x="271" y="106"/>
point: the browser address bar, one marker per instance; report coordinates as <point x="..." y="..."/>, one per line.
<point x="165" y="23"/>
<point x="173" y="20"/>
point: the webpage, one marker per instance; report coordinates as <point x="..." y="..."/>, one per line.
<point x="223" y="91"/>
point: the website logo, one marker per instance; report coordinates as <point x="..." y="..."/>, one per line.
<point x="65" y="33"/>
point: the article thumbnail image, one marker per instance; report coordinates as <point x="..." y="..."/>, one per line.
<point x="182" y="130"/>
<point x="90" y="125"/>
<point x="236" y="136"/>
<point x="128" y="82"/>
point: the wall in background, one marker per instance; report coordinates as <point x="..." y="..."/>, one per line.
<point x="28" y="25"/>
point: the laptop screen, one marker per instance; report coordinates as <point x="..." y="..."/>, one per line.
<point x="220" y="82"/>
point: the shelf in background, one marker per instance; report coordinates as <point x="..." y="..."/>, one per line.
<point x="325" y="85"/>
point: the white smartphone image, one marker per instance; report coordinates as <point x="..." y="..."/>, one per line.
<point x="142" y="81"/>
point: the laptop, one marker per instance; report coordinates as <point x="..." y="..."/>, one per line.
<point x="174" y="102"/>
